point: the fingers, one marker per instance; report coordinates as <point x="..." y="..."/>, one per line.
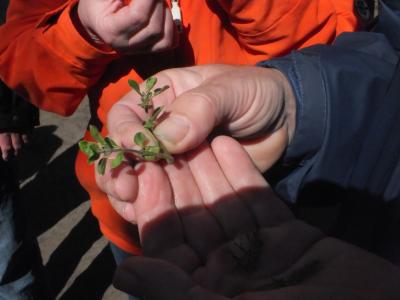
<point x="6" y="147"/>
<point x="244" y="102"/>
<point x="140" y="11"/>
<point x="126" y="116"/>
<point x="125" y="209"/>
<point x="141" y="26"/>
<point x="26" y="137"/>
<point x="140" y="276"/>
<point x="156" y="279"/>
<point x="217" y="193"/>
<point x="17" y="142"/>
<point x="201" y="229"/>
<point x="121" y="186"/>
<point x="159" y="224"/>
<point x="266" y="150"/>
<point x="248" y="183"/>
<point x="154" y="208"/>
<point x="158" y="35"/>
<point x="12" y="143"/>
<point x="170" y="37"/>
<point x="190" y="119"/>
<point x="124" y="121"/>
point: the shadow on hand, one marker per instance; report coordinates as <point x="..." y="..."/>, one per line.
<point x="279" y="256"/>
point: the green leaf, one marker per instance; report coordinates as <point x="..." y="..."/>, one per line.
<point x="94" y="132"/>
<point x="101" y="166"/>
<point x="93" y="157"/>
<point x="158" y="91"/>
<point x="94" y="153"/>
<point x="152" y="149"/>
<point x="133" y="84"/>
<point x="146" y="103"/>
<point x="117" y="161"/>
<point x="85" y="147"/>
<point x="156" y="113"/>
<point x="150" y="157"/>
<point x="111" y="143"/>
<point x="150" y="83"/>
<point x="95" y="148"/>
<point x="90" y="149"/>
<point x="140" y="139"/>
<point x="150" y="123"/>
<point x="168" y="158"/>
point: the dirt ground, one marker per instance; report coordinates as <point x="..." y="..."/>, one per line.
<point x="77" y="260"/>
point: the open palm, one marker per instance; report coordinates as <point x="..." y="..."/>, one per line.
<point x="228" y="237"/>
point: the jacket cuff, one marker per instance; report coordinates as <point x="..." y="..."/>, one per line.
<point x="304" y="74"/>
<point x="62" y="35"/>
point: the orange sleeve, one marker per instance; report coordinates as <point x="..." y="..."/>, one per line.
<point x="45" y="59"/>
<point x="275" y="27"/>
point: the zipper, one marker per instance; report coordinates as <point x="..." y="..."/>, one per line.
<point x="176" y="14"/>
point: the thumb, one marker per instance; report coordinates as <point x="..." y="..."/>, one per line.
<point x="188" y="120"/>
<point x="244" y="102"/>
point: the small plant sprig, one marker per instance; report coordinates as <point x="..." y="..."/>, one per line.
<point x="150" y="148"/>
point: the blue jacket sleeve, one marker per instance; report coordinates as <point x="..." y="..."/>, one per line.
<point x="347" y="126"/>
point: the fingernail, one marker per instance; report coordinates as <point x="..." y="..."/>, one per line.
<point x="172" y="130"/>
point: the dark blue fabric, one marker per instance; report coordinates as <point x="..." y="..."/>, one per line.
<point x="20" y="262"/>
<point x="346" y="146"/>
<point x="16" y="278"/>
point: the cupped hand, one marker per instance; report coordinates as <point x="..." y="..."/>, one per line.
<point x="252" y="104"/>
<point x="136" y="27"/>
<point x="229" y="237"/>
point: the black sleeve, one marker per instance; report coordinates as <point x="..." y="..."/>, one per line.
<point x="16" y="114"/>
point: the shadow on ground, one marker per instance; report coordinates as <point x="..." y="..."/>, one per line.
<point x="51" y="192"/>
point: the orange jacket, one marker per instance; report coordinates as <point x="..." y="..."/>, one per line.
<point x="45" y="59"/>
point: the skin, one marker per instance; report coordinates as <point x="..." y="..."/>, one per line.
<point x="254" y="105"/>
<point x="228" y="196"/>
<point x="11" y="143"/>
<point x="137" y="27"/>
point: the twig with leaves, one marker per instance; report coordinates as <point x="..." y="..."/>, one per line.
<point x="150" y="148"/>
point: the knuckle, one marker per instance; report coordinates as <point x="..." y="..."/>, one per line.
<point x="155" y="34"/>
<point x="164" y="44"/>
<point x="7" y="149"/>
<point x="109" y="40"/>
<point x="139" y="20"/>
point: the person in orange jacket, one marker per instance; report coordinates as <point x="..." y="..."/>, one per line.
<point x="56" y="52"/>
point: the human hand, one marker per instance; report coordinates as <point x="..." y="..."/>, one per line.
<point x="255" y="105"/>
<point x="11" y="143"/>
<point x="140" y="26"/>
<point x="248" y="102"/>
<point x="231" y="238"/>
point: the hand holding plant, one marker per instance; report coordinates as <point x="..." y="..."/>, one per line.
<point x="150" y="148"/>
<point x="242" y="102"/>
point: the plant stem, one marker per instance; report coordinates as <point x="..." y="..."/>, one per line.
<point x="114" y="150"/>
